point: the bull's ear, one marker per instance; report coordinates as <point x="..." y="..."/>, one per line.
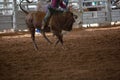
<point x="75" y="16"/>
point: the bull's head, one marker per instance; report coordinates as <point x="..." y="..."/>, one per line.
<point x="70" y="19"/>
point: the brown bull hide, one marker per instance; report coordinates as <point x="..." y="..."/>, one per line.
<point x="34" y="19"/>
<point x="59" y="22"/>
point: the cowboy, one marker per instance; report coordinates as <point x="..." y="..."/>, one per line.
<point x="55" y="4"/>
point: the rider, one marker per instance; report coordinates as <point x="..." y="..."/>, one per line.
<point x="55" y="4"/>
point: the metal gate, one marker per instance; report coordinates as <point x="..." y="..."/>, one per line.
<point x="5" y="22"/>
<point x="115" y="15"/>
<point x="6" y="18"/>
<point x="98" y="13"/>
<point x="11" y="17"/>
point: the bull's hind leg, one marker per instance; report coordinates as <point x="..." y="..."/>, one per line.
<point x="32" y="31"/>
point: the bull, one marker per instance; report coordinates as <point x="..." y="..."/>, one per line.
<point x="59" y="21"/>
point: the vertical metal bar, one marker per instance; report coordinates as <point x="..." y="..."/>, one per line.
<point x="109" y="19"/>
<point x="14" y="15"/>
<point x="5" y="6"/>
<point x="81" y="12"/>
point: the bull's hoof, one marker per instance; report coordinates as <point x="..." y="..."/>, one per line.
<point x="64" y="48"/>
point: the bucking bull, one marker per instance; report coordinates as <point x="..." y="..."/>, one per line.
<point x="57" y="23"/>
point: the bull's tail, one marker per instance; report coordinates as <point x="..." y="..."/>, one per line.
<point x="26" y="12"/>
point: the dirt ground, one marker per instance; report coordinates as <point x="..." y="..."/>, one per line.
<point x="90" y="54"/>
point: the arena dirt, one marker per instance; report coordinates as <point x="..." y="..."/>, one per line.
<point x="89" y="54"/>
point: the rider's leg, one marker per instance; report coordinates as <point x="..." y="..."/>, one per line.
<point x="45" y="20"/>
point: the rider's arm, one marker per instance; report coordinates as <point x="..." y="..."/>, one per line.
<point x="53" y="3"/>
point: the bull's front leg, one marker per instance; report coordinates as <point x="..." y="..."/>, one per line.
<point x="44" y="35"/>
<point x="59" y="37"/>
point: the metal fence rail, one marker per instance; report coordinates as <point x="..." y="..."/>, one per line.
<point x="115" y="14"/>
<point x="11" y="17"/>
<point x="5" y="22"/>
